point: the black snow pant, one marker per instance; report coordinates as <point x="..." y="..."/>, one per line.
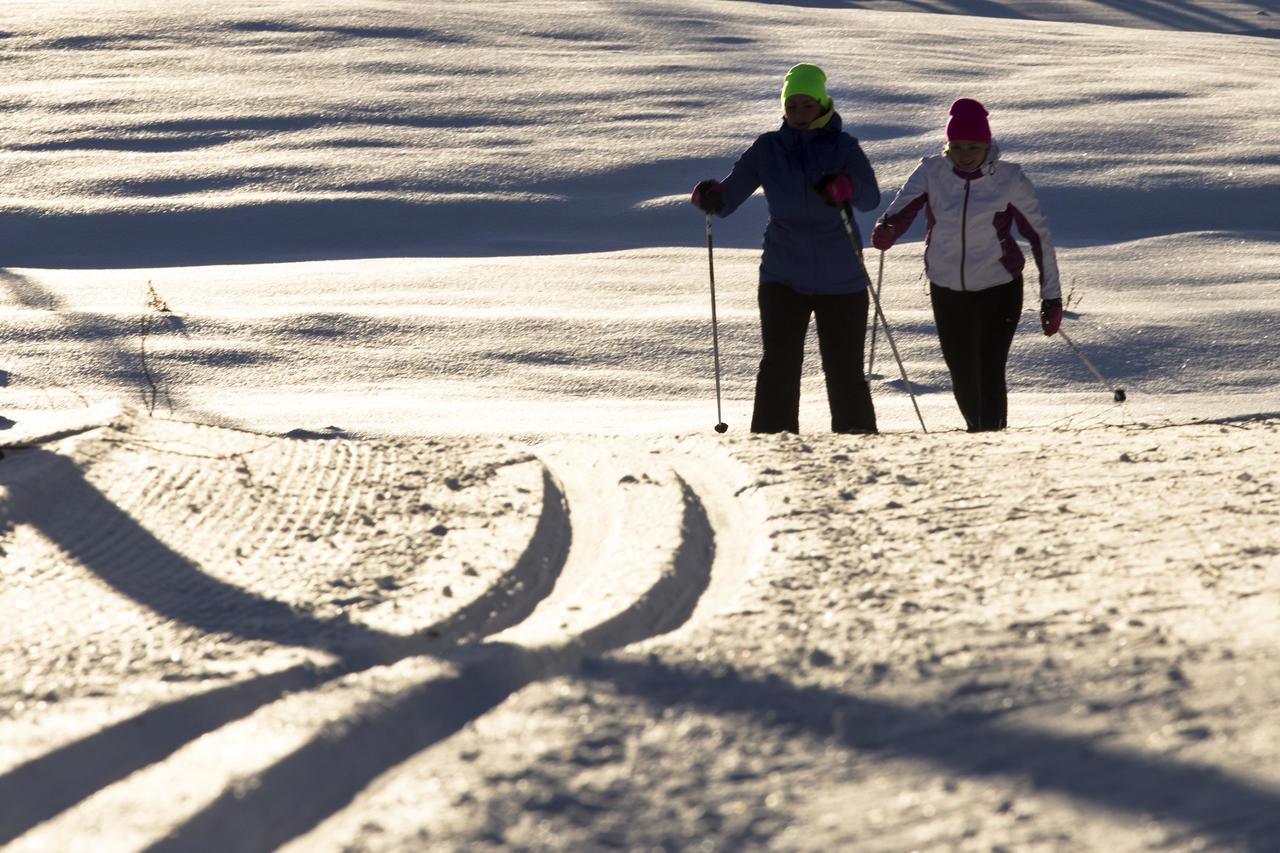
<point x="975" y="329"/>
<point x="842" y="332"/>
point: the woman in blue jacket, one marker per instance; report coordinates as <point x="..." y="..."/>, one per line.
<point x="808" y="168"/>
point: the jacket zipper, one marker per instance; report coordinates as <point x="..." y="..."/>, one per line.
<point x="806" y="159"/>
<point x="964" y="229"/>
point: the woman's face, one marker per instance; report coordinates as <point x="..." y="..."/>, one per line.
<point x="801" y="110"/>
<point x="968" y="155"/>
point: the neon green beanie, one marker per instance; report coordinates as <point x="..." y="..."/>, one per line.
<point x="805" y="79"/>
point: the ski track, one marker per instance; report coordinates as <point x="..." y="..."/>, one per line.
<point x="47" y="492"/>
<point x="644" y="555"/>
<point x="623" y="552"/>
<point x="960" y="711"/>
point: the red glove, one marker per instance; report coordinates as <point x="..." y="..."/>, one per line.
<point x="1050" y="315"/>
<point x="882" y="237"/>
<point x="835" y="189"/>
<point x="708" y="196"/>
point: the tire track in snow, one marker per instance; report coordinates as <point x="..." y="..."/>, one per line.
<point x="44" y="787"/>
<point x="642" y="556"/>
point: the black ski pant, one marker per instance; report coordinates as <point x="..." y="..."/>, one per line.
<point x="842" y="332"/>
<point x="975" y="329"/>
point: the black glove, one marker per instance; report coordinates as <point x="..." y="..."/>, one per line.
<point x="882" y="236"/>
<point x="708" y="196"/>
<point x="1050" y="315"/>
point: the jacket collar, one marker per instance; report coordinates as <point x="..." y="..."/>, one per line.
<point x="988" y="166"/>
<point x="823" y="120"/>
<point x="829" y="121"/>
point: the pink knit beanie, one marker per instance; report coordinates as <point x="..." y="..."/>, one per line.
<point x="968" y="121"/>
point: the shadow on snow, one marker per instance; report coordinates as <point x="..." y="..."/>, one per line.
<point x="616" y="211"/>
<point x="144" y="569"/>
<point x="286" y="804"/>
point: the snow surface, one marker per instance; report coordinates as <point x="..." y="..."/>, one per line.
<point x="359" y="488"/>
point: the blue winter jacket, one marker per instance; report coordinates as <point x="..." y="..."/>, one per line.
<point x="805" y="245"/>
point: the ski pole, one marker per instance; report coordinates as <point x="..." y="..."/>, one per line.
<point x="1117" y="394"/>
<point x="888" y="334"/>
<point x="871" y="360"/>
<point x="721" y="426"/>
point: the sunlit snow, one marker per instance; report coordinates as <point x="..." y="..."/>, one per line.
<point x="359" y="487"/>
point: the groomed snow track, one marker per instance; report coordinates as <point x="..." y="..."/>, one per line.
<point x="624" y="549"/>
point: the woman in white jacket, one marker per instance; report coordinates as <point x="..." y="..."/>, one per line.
<point x="971" y="201"/>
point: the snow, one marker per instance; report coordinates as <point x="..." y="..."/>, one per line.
<point x="360" y="490"/>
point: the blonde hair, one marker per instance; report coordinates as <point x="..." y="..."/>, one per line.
<point x="946" y="148"/>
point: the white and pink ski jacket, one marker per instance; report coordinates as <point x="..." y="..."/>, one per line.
<point x="969" y="218"/>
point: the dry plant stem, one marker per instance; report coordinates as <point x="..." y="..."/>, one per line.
<point x="149" y="393"/>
